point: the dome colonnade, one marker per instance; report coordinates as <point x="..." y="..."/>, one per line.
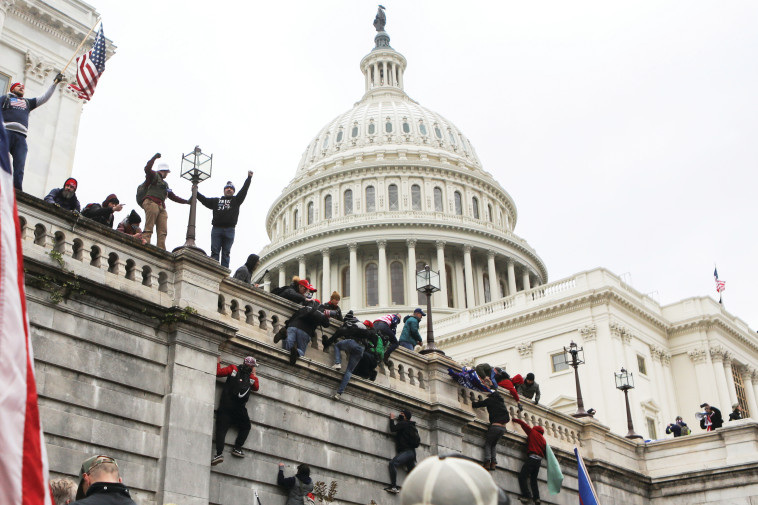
<point x="386" y="188"/>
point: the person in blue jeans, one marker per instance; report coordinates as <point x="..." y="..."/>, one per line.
<point x="301" y="328"/>
<point x="354" y="351"/>
<point x="410" y="336"/>
<point x="406" y="452"/>
<point x="226" y="211"/>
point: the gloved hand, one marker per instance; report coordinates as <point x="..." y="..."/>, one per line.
<point x="520" y="407"/>
<point x="156" y="156"/>
<point x="58" y="78"/>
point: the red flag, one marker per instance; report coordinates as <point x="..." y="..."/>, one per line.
<point x="89" y="67"/>
<point x="23" y="459"/>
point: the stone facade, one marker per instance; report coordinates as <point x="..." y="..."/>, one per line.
<point x="124" y="368"/>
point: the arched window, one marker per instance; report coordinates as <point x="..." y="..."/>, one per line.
<point x="371" y="127"/>
<point x="416" y="197"/>
<point x="422" y="128"/>
<point x="348" y="201"/>
<point x="449" y="134"/>
<point x="370" y="199"/>
<point x="397" y="284"/>
<point x="339" y="136"/>
<point x="487" y="294"/>
<point x="328" y="207"/>
<point x="438" y="200"/>
<point x="475" y="207"/>
<point x="326" y="142"/>
<point x="372" y="285"/>
<point x="310" y="212"/>
<point x="388" y="126"/>
<point x="449" y="283"/>
<point x="345" y="281"/>
<point x="421" y="296"/>
<point x="406" y="127"/>
<point x="458" y="203"/>
<point x="394" y="201"/>
<point x="354" y="131"/>
<point x="295" y="220"/>
<point x="489" y="212"/>
<point x="438" y="132"/>
<point x="284" y="225"/>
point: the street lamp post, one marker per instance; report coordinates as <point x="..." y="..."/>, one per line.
<point x="196" y="167"/>
<point x="625" y="382"/>
<point x="428" y="282"/>
<point x="574" y="356"/>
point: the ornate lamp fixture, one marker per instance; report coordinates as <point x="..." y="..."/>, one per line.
<point x="428" y="282"/>
<point x="574" y="356"/>
<point x="625" y="382"/>
<point x="196" y="167"/>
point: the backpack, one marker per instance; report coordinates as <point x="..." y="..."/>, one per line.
<point x="686" y="430"/>
<point x="141" y="192"/>
<point x="278" y="291"/>
<point x="238" y="385"/>
<point x="412" y="436"/>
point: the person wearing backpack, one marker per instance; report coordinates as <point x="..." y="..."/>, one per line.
<point x="241" y="380"/>
<point x="678" y="427"/>
<point x="386" y="327"/>
<point x="407" y="439"/>
<point x="151" y="196"/>
<point x="301" y="328"/>
<point x="357" y="339"/>
<point x="299" y="486"/>
<point x="499" y="417"/>
<point x="372" y="354"/>
<point x="226" y="211"/>
<point x="103" y="214"/>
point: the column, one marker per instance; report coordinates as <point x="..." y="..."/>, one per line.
<point x="411" y="293"/>
<point x="460" y="287"/>
<point x="282" y="276"/>
<point x="525" y="279"/>
<point x="326" y="285"/>
<point x="597" y="390"/>
<point x="730" y="380"/>
<point x="383" y="298"/>
<point x="747" y="381"/>
<point x="301" y="266"/>
<point x="660" y="382"/>
<point x="470" y="301"/>
<point x="511" y="278"/>
<point x="356" y="297"/>
<point x="384" y="73"/>
<point x="666" y="363"/>
<point x="442" y="298"/>
<point x="494" y="288"/>
<point x="267" y="282"/>
<point x="376" y="74"/>
<point x="717" y="359"/>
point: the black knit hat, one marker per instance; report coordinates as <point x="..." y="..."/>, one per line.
<point x="134" y="218"/>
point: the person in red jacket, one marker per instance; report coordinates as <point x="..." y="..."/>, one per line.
<point x="241" y="380"/>
<point x="506" y="381"/>
<point x="535" y="451"/>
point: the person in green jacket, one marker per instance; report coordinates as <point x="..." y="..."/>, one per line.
<point x="410" y="335"/>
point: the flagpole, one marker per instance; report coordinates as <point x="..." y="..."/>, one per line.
<point x="80" y="45"/>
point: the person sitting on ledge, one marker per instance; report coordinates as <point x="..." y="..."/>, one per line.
<point x="65" y="197"/>
<point x="130" y="226"/>
<point x="103" y="213"/>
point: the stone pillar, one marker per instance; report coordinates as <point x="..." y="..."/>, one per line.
<point x="383" y="278"/>
<point x="592" y="355"/>
<point x="659" y="379"/>
<point x="494" y="288"/>
<point x="187" y="436"/>
<point x="442" y="298"/>
<point x="717" y="359"/>
<point x="267" y="282"/>
<point x="747" y="381"/>
<point x="730" y="380"/>
<point x="460" y="288"/>
<point x="384" y="74"/>
<point x="355" y="286"/>
<point x="301" y="267"/>
<point x="326" y="277"/>
<point x="511" y="278"/>
<point x="666" y="364"/>
<point x="470" y="301"/>
<point x="376" y="74"/>
<point x="4" y="5"/>
<point x="704" y="376"/>
<point x="411" y="291"/>
<point x="525" y="279"/>
<point x="282" y="276"/>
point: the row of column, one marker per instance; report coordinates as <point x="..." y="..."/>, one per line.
<point x="723" y="369"/>
<point x="389" y="75"/>
<point x="465" y="275"/>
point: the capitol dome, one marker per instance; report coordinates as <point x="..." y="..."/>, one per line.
<point x="385" y="189"/>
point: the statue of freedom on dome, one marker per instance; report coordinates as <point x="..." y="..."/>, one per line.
<point x="381" y="19"/>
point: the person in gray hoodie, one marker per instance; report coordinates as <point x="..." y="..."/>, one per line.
<point x="245" y="272"/>
<point x="298" y="486"/>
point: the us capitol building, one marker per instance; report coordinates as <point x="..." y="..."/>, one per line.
<point x="390" y="186"/>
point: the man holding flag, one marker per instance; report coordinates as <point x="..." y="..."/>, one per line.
<point x="23" y="459"/>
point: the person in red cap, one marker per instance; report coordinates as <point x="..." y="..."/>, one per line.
<point x="103" y="214"/>
<point x="65" y="197"/>
<point x="241" y="379"/>
<point x="535" y="451"/>
<point x="299" y="291"/>
<point x="16" y="111"/>
<point x="151" y="196"/>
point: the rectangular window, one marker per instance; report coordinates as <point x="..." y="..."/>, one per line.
<point x="651" y="428"/>
<point x="641" y="366"/>
<point x="5" y="81"/>
<point x="558" y="361"/>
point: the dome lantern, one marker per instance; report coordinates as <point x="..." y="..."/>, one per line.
<point x="383" y="67"/>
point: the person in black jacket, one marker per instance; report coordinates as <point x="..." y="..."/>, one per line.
<point x="100" y="483"/>
<point x="333" y="306"/>
<point x="65" y="197"/>
<point x="298" y="291"/>
<point x="406" y="452"/>
<point x="301" y="328"/>
<point x="711" y="418"/>
<point x="499" y="417"/>
<point x="298" y="486"/>
<point x="245" y="272"/>
<point x="226" y="211"/>
<point x="103" y="214"/>
<point x="736" y="412"/>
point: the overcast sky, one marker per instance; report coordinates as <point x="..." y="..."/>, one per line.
<point x="626" y="133"/>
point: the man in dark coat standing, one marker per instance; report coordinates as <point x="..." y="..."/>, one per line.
<point x="226" y="211"/>
<point x="711" y="419"/>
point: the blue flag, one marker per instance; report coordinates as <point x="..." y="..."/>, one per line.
<point x="587" y="493"/>
<point x="468" y="378"/>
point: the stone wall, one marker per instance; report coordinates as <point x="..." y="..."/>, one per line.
<point x="124" y="369"/>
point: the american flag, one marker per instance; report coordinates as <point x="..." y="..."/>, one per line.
<point x="23" y="458"/>
<point x="720" y="285"/>
<point x="89" y="67"/>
